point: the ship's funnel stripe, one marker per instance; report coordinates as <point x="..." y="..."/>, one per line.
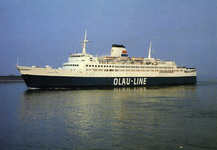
<point x="124" y="52"/>
<point x="124" y="55"/>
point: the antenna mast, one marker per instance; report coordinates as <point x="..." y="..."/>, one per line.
<point x="17" y="61"/>
<point x="149" y="54"/>
<point x="84" y="43"/>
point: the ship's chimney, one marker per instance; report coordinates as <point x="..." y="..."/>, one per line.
<point x="118" y="51"/>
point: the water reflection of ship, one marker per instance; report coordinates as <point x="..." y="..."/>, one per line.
<point x="69" y="97"/>
<point x="86" y="113"/>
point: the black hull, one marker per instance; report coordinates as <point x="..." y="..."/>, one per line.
<point x="34" y="81"/>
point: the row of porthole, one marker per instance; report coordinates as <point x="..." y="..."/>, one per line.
<point x="127" y="66"/>
<point x="71" y="65"/>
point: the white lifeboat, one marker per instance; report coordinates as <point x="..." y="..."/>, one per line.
<point x="123" y="58"/>
<point x="137" y="58"/>
<point x="108" y="58"/>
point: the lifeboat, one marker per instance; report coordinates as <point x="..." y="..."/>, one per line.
<point x="123" y="58"/>
<point x="108" y="58"/>
<point x="137" y="58"/>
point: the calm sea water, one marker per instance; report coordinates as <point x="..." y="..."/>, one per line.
<point x="167" y="118"/>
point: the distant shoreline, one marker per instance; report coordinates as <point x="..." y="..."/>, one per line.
<point x="11" y="79"/>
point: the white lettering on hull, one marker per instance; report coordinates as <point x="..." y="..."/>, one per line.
<point x="128" y="81"/>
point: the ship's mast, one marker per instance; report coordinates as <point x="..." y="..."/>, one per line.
<point x="149" y="54"/>
<point x="84" y="43"/>
<point x="17" y="61"/>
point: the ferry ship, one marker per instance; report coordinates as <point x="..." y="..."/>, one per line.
<point x="116" y="70"/>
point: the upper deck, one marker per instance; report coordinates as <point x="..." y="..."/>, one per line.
<point x="120" y="62"/>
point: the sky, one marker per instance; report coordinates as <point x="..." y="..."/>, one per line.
<point x="45" y="32"/>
